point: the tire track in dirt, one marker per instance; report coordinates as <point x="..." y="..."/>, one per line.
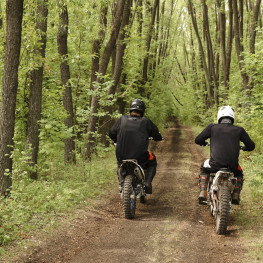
<point x="170" y="227"/>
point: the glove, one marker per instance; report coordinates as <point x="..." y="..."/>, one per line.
<point x="243" y="148"/>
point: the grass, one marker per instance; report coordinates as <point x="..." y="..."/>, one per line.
<point x="250" y="214"/>
<point x="36" y="204"/>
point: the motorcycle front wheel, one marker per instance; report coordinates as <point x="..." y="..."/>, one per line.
<point x="224" y="197"/>
<point x="128" y="198"/>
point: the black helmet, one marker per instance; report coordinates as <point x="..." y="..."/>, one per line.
<point x="137" y="105"/>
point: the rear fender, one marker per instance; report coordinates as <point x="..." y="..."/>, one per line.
<point x="131" y="166"/>
<point x="224" y="177"/>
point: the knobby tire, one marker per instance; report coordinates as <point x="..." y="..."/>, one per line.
<point x="223" y="210"/>
<point x="129" y="198"/>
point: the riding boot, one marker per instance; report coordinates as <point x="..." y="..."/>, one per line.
<point x="237" y="190"/>
<point x="203" y="188"/>
<point x="150" y="173"/>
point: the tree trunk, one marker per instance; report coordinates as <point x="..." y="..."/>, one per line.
<point x="140" y="17"/>
<point x="62" y="40"/>
<point x="238" y="29"/>
<point x="118" y="65"/>
<point x="222" y="32"/>
<point x="254" y="23"/>
<point x="14" y="14"/>
<point x="96" y="46"/>
<point x="161" y="45"/>
<point x="35" y="97"/>
<point x="154" y="57"/>
<point x="92" y="125"/>
<point x="1" y="16"/>
<point x="213" y="82"/>
<point x="253" y="32"/>
<point x="148" y="43"/>
<point x="201" y="49"/>
<point x="229" y="42"/>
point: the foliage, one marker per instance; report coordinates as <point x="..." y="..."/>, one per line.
<point x="35" y="204"/>
<point x="177" y="85"/>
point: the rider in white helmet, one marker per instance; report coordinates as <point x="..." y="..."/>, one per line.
<point x="224" y="150"/>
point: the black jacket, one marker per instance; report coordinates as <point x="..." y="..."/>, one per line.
<point x="225" y="144"/>
<point x="131" y="133"/>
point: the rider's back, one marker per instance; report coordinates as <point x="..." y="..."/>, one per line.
<point x="132" y="139"/>
<point x="225" y="144"/>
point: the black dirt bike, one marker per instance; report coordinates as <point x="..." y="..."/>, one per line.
<point x="220" y="188"/>
<point x="132" y="179"/>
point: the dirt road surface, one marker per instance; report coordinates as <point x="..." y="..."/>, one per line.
<point x="170" y="227"/>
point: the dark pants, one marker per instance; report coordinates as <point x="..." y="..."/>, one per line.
<point x="206" y="170"/>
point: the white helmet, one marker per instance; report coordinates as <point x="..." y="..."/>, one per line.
<point x="226" y="111"/>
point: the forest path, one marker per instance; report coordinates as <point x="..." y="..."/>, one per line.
<point x="170" y="227"/>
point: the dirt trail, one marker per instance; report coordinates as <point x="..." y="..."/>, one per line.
<point x="170" y="227"/>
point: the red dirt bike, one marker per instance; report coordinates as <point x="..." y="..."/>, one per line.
<point x="220" y="188"/>
<point x="132" y="177"/>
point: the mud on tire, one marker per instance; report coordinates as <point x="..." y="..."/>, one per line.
<point x="128" y="198"/>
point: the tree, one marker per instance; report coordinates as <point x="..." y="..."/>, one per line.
<point x="14" y="14"/>
<point x="148" y="43"/>
<point x="92" y="125"/>
<point x="35" y="97"/>
<point x="225" y="50"/>
<point x="62" y="40"/>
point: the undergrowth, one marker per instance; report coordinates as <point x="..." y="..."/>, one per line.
<point x="250" y="212"/>
<point x="35" y="204"/>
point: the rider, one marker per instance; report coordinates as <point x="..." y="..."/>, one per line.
<point x="132" y="133"/>
<point x="224" y="150"/>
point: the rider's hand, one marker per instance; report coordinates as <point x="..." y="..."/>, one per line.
<point x="243" y="148"/>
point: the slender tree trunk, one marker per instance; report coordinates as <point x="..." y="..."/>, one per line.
<point x="254" y="24"/>
<point x="118" y="65"/>
<point x="96" y="46"/>
<point x="148" y="42"/>
<point x="14" y="14"/>
<point x="238" y="29"/>
<point x="1" y="16"/>
<point x="35" y="97"/>
<point x="62" y="40"/>
<point x="229" y="42"/>
<point x="120" y="48"/>
<point x="161" y="45"/>
<point x="213" y="82"/>
<point x="92" y="125"/>
<point x="201" y="49"/>
<point x="154" y="57"/>
<point x="140" y="17"/>
<point x="222" y="32"/>
<point x="253" y="32"/>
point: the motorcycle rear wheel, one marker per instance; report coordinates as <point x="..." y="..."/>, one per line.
<point x="128" y="198"/>
<point x="223" y="210"/>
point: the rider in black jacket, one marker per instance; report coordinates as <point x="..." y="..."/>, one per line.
<point x="132" y="133"/>
<point x="224" y="150"/>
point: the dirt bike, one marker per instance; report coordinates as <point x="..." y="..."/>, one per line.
<point x="220" y="188"/>
<point x="132" y="178"/>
